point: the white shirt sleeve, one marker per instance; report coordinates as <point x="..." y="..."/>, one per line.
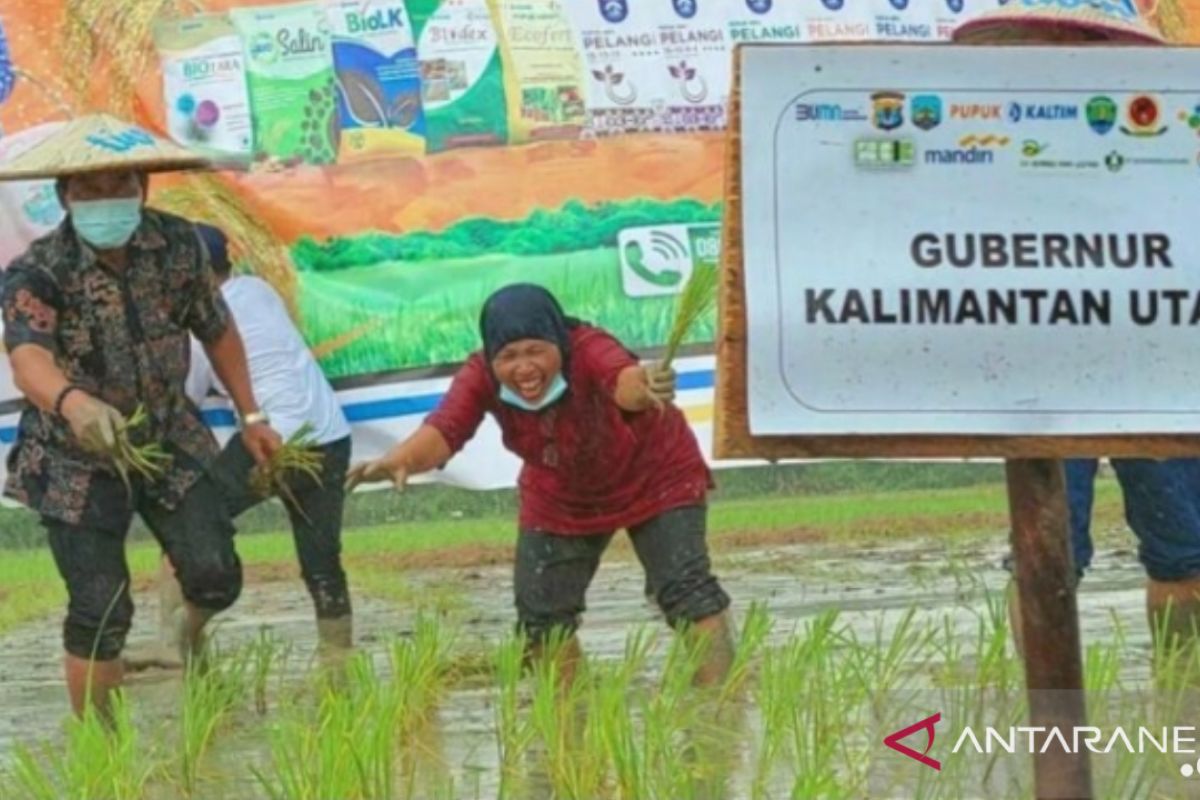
<point x="200" y="379"/>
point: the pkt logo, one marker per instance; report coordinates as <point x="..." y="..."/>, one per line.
<point x="974" y="111"/>
<point x="928" y="724"/>
<point x="833" y="5"/>
<point x="987" y="140"/>
<point x="887" y="110"/>
<point x="1047" y="112"/>
<point x="1101" y="113"/>
<point x="759" y="6"/>
<point x="955" y="6"/>
<point x="1143" y="116"/>
<point x="926" y="111"/>
<point x="899" y="5"/>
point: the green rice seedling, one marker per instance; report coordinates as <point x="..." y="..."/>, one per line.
<point x="266" y="654"/>
<point x="148" y="460"/>
<point x="102" y="760"/>
<point x="558" y="713"/>
<point x="513" y="738"/>
<point x="299" y="455"/>
<point x="209" y="696"/>
<point x="699" y="296"/>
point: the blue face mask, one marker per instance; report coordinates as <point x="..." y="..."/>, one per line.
<point x="107" y="224"/>
<point x="558" y="387"/>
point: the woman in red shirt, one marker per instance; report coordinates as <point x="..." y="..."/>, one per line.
<point x="603" y="449"/>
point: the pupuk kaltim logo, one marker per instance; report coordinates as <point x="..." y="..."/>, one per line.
<point x="928" y="725"/>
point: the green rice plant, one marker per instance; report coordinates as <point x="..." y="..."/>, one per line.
<point x="348" y="746"/>
<point x="101" y="760"/>
<point x="298" y="456"/>
<point x="756" y="629"/>
<point x="150" y="460"/>
<point x="698" y="298"/>
<point x="266" y="654"/>
<point x="209" y="695"/>
<point x="512" y="736"/>
<point x="565" y="750"/>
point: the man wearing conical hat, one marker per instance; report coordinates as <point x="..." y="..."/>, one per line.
<point x="1162" y="498"/>
<point x="96" y="321"/>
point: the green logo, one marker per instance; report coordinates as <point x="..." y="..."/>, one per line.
<point x="1031" y="148"/>
<point x="1101" y="113"/>
<point x="1114" y="161"/>
<point x="658" y="260"/>
<point x="884" y="153"/>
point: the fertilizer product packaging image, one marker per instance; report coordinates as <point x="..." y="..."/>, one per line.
<point x="462" y="78"/>
<point x="903" y="20"/>
<point x="764" y="21"/>
<point x="624" y="64"/>
<point x="289" y="66"/>
<point x="542" y="69"/>
<point x="204" y="84"/>
<point x="697" y="64"/>
<point x="378" y="80"/>
<point x="839" y="20"/>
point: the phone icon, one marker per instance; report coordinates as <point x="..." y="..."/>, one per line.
<point x="655" y="261"/>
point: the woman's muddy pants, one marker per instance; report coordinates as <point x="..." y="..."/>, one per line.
<point x="553" y="572"/>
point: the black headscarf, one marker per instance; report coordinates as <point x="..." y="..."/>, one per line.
<point x="524" y="311"/>
<point x="218" y="248"/>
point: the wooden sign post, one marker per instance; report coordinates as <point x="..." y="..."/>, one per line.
<point x="790" y="100"/>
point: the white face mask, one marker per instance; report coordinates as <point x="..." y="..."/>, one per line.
<point x="558" y="388"/>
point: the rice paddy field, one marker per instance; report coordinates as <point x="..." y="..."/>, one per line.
<point x="867" y="597"/>
<point x="401" y="315"/>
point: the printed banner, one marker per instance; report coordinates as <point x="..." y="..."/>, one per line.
<point x="994" y="251"/>
<point x="408" y="157"/>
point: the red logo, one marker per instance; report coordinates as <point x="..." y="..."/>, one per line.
<point x="1143" y="117"/>
<point x="927" y="725"/>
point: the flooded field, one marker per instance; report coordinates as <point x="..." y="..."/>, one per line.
<point x="843" y="643"/>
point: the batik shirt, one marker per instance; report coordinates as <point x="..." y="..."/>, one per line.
<point x="122" y="336"/>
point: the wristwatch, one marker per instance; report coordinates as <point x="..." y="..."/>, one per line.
<point x="255" y="418"/>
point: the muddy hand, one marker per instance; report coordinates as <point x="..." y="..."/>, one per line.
<point x="93" y="422"/>
<point x="660" y="384"/>
<point x="377" y="471"/>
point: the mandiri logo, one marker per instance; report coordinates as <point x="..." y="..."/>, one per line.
<point x="894" y="741"/>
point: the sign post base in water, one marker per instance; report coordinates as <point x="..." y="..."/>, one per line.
<point x="1045" y="575"/>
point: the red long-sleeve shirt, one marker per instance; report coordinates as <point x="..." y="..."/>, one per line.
<point x="589" y="467"/>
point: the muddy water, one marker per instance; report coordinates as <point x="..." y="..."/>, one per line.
<point x="872" y="586"/>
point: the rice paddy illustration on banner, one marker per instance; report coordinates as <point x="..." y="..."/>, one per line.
<point x="404" y="158"/>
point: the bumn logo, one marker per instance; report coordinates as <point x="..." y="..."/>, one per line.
<point x="927" y="725"/>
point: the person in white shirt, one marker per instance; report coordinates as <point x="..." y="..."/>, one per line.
<point x="293" y="392"/>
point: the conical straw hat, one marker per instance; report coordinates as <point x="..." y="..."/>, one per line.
<point x="98" y="143"/>
<point x="1117" y="20"/>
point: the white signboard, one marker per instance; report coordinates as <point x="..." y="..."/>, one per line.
<point x="966" y="240"/>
